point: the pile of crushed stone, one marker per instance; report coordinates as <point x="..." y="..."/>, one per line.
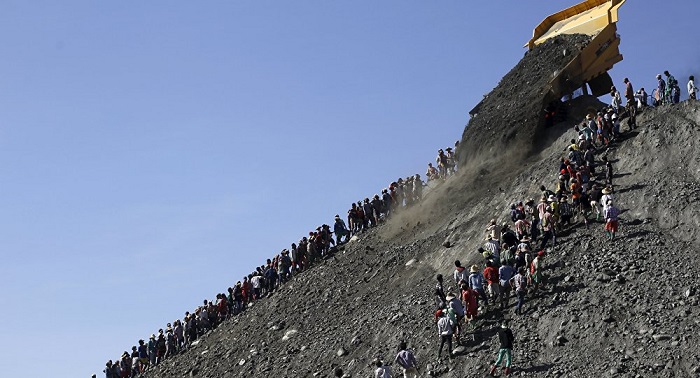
<point x="510" y="115"/>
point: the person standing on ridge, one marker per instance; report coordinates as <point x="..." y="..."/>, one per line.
<point x="692" y="89"/>
<point x="660" y="91"/>
<point x="505" y="336"/>
<point x="631" y="105"/>
<point x="671" y="89"/>
<point x="616" y="99"/>
<point x="340" y="230"/>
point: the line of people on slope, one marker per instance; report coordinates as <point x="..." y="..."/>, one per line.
<point x="514" y="251"/>
<point x="667" y="91"/>
<point x="265" y="279"/>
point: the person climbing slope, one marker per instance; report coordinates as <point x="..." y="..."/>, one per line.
<point x="505" y="336"/>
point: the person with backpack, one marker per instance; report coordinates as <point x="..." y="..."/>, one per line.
<point x="505" y="336"/>
<point x="407" y="360"/>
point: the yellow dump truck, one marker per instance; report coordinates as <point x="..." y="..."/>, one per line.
<point x="596" y="18"/>
<point x="588" y="69"/>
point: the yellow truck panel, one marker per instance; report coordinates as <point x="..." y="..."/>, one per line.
<point x="596" y="18"/>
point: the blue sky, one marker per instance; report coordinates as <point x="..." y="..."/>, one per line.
<point x="152" y="153"/>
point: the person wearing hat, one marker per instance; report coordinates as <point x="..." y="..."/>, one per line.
<point x="441" y="161"/>
<point x="606" y="196"/>
<point x="125" y="364"/>
<point x="505" y="336"/>
<point x="476" y="283"/>
<point x="449" y="168"/>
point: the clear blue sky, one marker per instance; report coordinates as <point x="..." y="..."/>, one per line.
<point x="152" y="153"/>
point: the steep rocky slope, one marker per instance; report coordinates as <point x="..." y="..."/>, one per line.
<point x="626" y="308"/>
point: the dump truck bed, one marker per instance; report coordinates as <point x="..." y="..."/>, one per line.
<point x="596" y="18"/>
<point x="589" y="67"/>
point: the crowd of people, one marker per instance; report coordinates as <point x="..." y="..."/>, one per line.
<point x="265" y="279"/>
<point x="446" y="162"/>
<point x="513" y="252"/>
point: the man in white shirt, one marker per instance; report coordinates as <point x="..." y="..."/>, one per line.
<point x="692" y="89"/>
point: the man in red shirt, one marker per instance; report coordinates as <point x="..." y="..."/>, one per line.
<point x="491" y="276"/>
